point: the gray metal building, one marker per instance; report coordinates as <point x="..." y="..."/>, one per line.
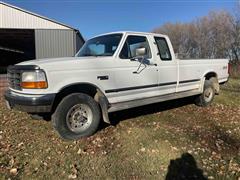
<point x="25" y="35"/>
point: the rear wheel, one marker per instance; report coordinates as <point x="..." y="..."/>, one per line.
<point x="207" y="96"/>
<point x="76" y="116"/>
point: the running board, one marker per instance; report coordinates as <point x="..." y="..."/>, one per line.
<point x="151" y="100"/>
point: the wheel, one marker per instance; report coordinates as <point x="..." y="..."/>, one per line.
<point x="76" y="116"/>
<point x="215" y="83"/>
<point x="207" y="96"/>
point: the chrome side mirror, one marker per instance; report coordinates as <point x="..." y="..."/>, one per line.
<point x="141" y="52"/>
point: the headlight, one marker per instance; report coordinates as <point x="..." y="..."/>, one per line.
<point x="34" y="80"/>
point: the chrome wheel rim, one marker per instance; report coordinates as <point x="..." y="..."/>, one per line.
<point x="79" y="118"/>
<point x="208" y="94"/>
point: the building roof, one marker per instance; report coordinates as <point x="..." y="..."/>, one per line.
<point x="36" y="15"/>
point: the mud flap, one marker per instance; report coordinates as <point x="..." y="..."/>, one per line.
<point x="8" y="105"/>
<point x="104" y="106"/>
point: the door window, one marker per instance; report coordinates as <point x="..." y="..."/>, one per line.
<point x="131" y="44"/>
<point x="163" y="49"/>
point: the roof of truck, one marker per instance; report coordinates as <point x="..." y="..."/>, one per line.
<point x="133" y="32"/>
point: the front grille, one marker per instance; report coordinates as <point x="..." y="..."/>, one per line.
<point x="14" y="78"/>
<point x="14" y="74"/>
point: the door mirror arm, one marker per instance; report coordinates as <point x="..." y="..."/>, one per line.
<point x="140" y="60"/>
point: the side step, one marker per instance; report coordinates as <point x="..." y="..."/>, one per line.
<point x="152" y="100"/>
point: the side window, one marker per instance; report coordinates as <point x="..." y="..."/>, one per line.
<point x="131" y="44"/>
<point x="163" y="49"/>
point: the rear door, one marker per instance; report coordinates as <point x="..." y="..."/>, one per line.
<point x="167" y="67"/>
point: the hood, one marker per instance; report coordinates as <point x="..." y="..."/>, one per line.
<point x="46" y="61"/>
<point x="67" y="63"/>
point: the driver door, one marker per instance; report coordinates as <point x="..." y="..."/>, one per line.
<point x="134" y="80"/>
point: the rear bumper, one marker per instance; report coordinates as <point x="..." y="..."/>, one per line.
<point x="30" y="103"/>
<point x="223" y="80"/>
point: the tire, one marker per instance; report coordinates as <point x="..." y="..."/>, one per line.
<point x="215" y="83"/>
<point x="207" y="96"/>
<point x="76" y="116"/>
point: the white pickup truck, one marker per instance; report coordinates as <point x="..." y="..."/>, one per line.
<point x="111" y="72"/>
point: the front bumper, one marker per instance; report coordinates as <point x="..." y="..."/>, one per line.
<point x="30" y="103"/>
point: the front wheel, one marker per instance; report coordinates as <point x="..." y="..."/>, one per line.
<point x="207" y="96"/>
<point x="76" y="116"/>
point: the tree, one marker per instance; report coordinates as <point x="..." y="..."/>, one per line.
<point x="235" y="46"/>
<point x="216" y="35"/>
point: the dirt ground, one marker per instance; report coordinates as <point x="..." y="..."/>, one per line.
<point x="160" y="141"/>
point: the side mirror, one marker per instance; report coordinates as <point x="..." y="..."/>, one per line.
<point x="141" y="52"/>
<point x="140" y="55"/>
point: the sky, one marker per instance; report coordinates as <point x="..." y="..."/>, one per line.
<point x="94" y="17"/>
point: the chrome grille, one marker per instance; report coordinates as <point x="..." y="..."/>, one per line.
<point x="14" y="78"/>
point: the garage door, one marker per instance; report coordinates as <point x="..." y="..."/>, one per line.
<point x="16" y="45"/>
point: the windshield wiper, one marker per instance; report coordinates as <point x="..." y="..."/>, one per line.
<point x="86" y="55"/>
<point x="95" y="55"/>
<point x="102" y="55"/>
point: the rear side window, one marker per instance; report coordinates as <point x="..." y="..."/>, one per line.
<point x="163" y="49"/>
<point x="131" y="44"/>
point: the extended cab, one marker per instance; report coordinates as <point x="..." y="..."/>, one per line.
<point x="111" y="72"/>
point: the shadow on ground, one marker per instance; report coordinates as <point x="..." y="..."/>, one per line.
<point x="117" y="117"/>
<point x="184" y="168"/>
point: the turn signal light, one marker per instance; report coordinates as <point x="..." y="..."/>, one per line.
<point x="34" y="85"/>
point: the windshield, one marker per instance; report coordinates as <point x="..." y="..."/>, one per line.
<point x="100" y="46"/>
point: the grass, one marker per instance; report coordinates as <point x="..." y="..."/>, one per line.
<point x="140" y="145"/>
<point x="230" y="93"/>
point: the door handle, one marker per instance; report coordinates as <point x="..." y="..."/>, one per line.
<point x="102" y="77"/>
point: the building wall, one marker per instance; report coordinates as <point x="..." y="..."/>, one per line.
<point x="16" y="18"/>
<point x="79" y="41"/>
<point x="54" y="43"/>
<point x="52" y="39"/>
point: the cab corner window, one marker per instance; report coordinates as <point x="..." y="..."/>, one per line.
<point x="131" y="44"/>
<point x="163" y="49"/>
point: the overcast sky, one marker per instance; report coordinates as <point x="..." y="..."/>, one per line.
<point x="95" y="17"/>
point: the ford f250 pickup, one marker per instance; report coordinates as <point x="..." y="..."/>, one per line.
<point x="111" y="72"/>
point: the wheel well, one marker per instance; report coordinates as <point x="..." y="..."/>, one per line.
<point x="213" y="77"/>
<point x="88" y="89"/>
<point x="210" y="75"/>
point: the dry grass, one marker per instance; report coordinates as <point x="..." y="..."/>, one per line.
<point x="139" y="146"/>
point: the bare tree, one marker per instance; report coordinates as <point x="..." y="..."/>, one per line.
<point x="216" y="35"/>
<point x="235" y="46"/>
